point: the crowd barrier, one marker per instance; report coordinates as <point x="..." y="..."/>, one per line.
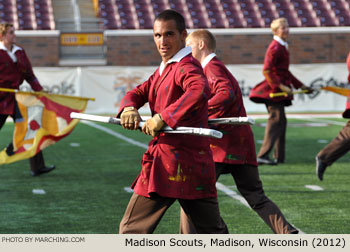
<point x="108" y="85"/>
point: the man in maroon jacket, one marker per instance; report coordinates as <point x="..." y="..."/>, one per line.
<point x="278" y="78"/>
<point x="175" y="166"/>
<point x="340" y="145"/>
<point x="14" y="68"/>
<point x="235" y="152"/>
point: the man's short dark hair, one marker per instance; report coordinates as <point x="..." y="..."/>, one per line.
<point x="173" y="15"/>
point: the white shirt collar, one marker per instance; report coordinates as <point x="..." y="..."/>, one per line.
<point x="281" y="41"/>
<point x="10" y="53"/>
<point x="208" y="59"/>
<point x="176" y="58"/>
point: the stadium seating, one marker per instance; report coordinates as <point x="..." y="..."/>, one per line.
<point x="267" y="10"/>
<point x="44" y="15"/>
<point x="28" y="14"/>
<point x="232" y="13"/>
<point x="139" y="14"/>
<point x="8" y="11"/>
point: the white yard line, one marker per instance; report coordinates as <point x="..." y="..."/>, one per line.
<point x="113" y="133"/>
<point x="298" y="116"/>
<point x="219" y="186"/>
<point x="314" y="187"/>
<point x="231" y="193"/>
<point x="325" y="121"/>
<point x="38" y="191"/>
<point x="308" y="117"/>
<point x="128" y="189"/>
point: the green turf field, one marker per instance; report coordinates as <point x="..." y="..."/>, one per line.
<point x="86" y="193"/>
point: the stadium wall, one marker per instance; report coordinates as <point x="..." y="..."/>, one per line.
<point x="42" y="47"/>
<point x="109" y="84"/>
<point x="235" y="46"/>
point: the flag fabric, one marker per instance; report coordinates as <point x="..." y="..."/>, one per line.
<point x="338" y="90"/>
<point x="41" y="120"/>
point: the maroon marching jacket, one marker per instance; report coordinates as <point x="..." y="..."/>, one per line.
<point x="276" y="71"/>
<point x="237" y="145"/>
<point x="176" y="165"/>
<point x="346" y="113"/>
<point x="12" y="75"/>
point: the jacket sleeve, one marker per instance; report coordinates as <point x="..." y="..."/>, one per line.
<point x="222" y="88"/>
<point x="296" y="83"/>
<point x="27" y="71"/>
<point x="348" y="64"/>
<point x="136" y="97"/>
<point x="195" y="97"/>
<point x="270" y="62"/>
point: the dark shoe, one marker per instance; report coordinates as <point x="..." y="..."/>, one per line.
<point x="45" y="169"/>
<point x="9" y="149"/>
<point x="266" y="161"/>
<point x="294" y="231"/>
<point x="320" y="168"/>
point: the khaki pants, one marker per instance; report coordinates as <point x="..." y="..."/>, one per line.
<point x="338" y="147"/>
<point x="275" y="133"/>
<point x="249" y="185"/>
<point x="143" y="214"/>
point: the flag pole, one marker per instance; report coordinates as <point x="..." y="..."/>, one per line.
<point x="272" y="95"/>
<point x="10" y="90"/>
<point x="179" y="130"/>
<point x="337" y="90"/>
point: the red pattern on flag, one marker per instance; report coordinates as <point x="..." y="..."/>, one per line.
<point x="44" y="120"/>
<point x="34" y="125"/>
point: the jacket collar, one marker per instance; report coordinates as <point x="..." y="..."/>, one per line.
<point x="176" y="58"/>
<point x="208" y="59"/>
<point x="12" y="52"/>
<point x="280" y="41"/>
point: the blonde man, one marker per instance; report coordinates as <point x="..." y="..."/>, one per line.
<point x="235" y="152"/>
<point x="278" y="78"/>
<point x="14" y="68"/>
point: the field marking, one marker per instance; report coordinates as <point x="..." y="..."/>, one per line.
<point x="113" y="133"/>
<point x="298" y="116"/>
<point x="309" y="117"/>
<point x="231" y="193"/>
<point x="324" y="121"/>
<point x="314" y="187"/>
<point x="219" y="186"/>
<point x="38" y="191"/>
<point x="128" y="189"/>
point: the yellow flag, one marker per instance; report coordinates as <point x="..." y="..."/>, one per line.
<point x="337" y="90"/>
<point x="41" y="120"/>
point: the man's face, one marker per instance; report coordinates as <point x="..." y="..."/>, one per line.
<point x="9" y="37"/>
<point x="194" y="44"/>
<point x="167" y="38"/>
<point x="282" y="31"/>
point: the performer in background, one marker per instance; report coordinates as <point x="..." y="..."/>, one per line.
<point x="14" y="69"/>
<point x="340" y="145"/>
<point x="235" y="152"/>
<point x="175" y="167"/>
<point x="277" y="79"/>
